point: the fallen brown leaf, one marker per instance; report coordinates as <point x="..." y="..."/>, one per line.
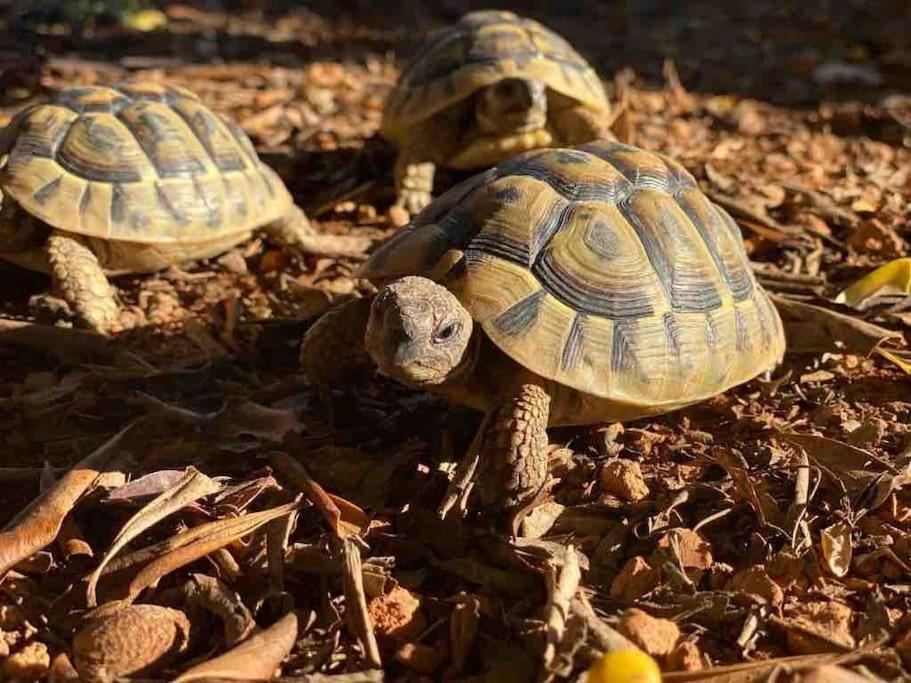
<point x="255" y="659"/>
<point x="192" y="487"/>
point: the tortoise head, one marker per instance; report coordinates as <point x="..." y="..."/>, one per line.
<point x="512" y="105"/>
<point x="418" y="331"/>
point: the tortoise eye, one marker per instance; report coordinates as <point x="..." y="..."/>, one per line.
<point x="445" y="333"/>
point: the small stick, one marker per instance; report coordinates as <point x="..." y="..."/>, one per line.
<point x="358" y="617"/>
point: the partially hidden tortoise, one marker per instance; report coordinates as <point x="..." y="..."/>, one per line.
<point x="492" y="85"/>
<point x="562" y="287"/>
<point x="134" y="178"/>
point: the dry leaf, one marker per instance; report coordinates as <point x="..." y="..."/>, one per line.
<point x="191" y="545"/>
<point x="192" y="487"/>
<point x="835" y="543"/>
<point x="255" y="659"/>
<point x="37" y="526"/>
<point x="892" y="278"/>
<point x="814" y="329"/>
<point x="130" y="641"/>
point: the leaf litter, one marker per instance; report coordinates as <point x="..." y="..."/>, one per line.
<point x="188" y="481"/>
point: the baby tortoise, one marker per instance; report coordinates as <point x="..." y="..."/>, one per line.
<point x="133" y="179"/>
<point x="562" y="287"/>
<point x="490" y="86"/>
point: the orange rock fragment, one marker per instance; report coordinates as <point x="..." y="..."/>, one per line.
<point x="637" y="578"/>
<point x="657" y="637"/>
<point x="397" y="614"/>
<point x="755" y="585"/>
<point x="623" y="478"/>
<point x="831" y="620"/>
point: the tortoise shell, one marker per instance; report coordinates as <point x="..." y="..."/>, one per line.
<point x="479" y="50"/>
<point x="143" y="162"/>
<point x="602" y="267"/>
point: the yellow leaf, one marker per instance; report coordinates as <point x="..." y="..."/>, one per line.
<point x="146" y="20"/>
<point x="901" y="358"/>
<point x="892" y="278"/>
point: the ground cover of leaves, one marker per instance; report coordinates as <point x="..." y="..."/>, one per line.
<point x="226" y="516"/>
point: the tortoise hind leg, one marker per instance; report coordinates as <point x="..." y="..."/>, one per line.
<point x="78" y="276"/>
<point x="294" y="230"/>
<point x="513" y="449"/>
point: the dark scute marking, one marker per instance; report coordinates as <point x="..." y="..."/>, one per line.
<point x="581" y="296"/>
<point x="240" y="137"/>
<point x="85" y="199"/>
<point x="519" y="317"/>
<point x="236" y="198"/>
<point x="572" y="348"/>
<point x="498" y="245"/>
<point x="508" y="195"/>
<point x="69" y="99"/>
<point x="763" y="320"/>
<point x="213" y="211"/>
<point x="740" y="283"/>
<point x="105" y="140"/>
<point x="741" y="334"/>
<point x="35" y="140"/>
<point x="118" y="204"/>
<point x="458" y="226"/>
<point x="656" y="256"/>
<point x="568" y="188"/>
<point x="623" y="348"/>
<point x="555" y="221"/>
<point x="48" y="191"/>
<point x="672" y="329"/>
<point x="683" y="295"/>
<point x="163" y="199"/>
<point x="154" y="129"/>
<point x="102" y="137"/>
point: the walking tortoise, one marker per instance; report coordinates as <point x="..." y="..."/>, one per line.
<point x="135" y="178"/>
<point x="562" y="287"/>
<point x="490" y="86"/>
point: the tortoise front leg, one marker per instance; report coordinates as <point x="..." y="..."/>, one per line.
<point x="415" y="166"/>
<point x="294" y="230"/>
<point x="513" y="449"/>
<point x="332" y="351"/>
<point x="581" y="124"/>
<point x="79" y="278"/>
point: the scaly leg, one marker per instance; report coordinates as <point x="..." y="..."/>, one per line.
<point x="428" y="144"/>
<point x="332" y="351"/>
<point x="78" y="276"/>
<point x="581" y="124"/>
<point x="294" y="230"/>
<point x="513" y="449"/>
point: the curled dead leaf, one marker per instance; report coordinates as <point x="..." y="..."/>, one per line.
<point x="835" y="543"/>
<point x="255" y="659"/>
<point x="129" y="641"/>
<point x="193" y="486"/>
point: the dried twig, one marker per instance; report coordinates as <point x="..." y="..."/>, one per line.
<point x="358" y="619"/>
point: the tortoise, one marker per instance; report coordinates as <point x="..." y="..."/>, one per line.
<point x="134" y="178"/>
<point x="489" y="86"/>
<point x="562" y="287"/>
